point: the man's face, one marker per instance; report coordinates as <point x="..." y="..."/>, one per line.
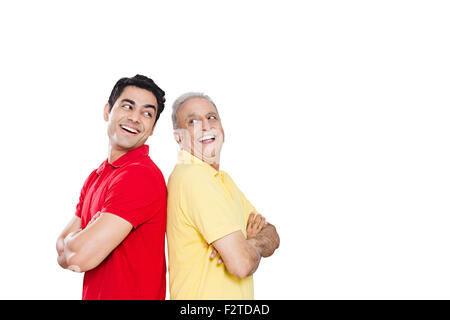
<point x="200" y="130"/>
<point x="131" y="119"/>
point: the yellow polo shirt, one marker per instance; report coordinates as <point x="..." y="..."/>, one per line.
<point x="203" y="205"/>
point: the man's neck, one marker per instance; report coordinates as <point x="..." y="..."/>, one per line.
<point x="114" y="154"/>
<point x="215" y="166"/>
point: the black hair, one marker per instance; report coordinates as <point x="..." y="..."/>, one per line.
<point x="142" y="82"/>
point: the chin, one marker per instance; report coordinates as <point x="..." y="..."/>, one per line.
<point x="208" y="156"/>
<point x="127" y="145"/>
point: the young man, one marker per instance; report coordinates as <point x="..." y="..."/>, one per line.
<point x="117" y="234"/>
<point x="205" y="206"/>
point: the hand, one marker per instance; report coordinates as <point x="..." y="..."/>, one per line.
<point x="60" y="246"/>
<point x="70" y="236"/>
<point x="255" y="224"/>
<point x="62" y="261"/>
<point x="214" y="253"/>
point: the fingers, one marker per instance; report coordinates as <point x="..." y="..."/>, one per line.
<point x="250" y="222"/>
<point x="255" y="224"/>
<point x="258" y="221"/>
<point x="214" y="253"/>
<point x="251" y="218"/>
<point x="262" y="223"/>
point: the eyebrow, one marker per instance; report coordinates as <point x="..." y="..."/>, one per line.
<point x="129" y="101"/>
<point x="134" y="103"/>
<point x="193" y="114"/>
<point x="149" y="106"/>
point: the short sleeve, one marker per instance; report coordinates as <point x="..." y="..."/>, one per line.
<point x="136" y="194"/>
<point x="85" y="187"/>
<point x="249" y="208"/>
<point x="247" y="205"/>
<point x="208" y="207"/>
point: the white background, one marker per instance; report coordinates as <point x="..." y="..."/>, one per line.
<point x="336" y="115"/>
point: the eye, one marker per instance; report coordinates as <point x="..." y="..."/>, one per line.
<point x="127" y="106"/>
<point x="148" y="114"/>
<point x="212" y="118"/>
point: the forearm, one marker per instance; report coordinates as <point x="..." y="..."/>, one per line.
<point x="73" y="226"/>
<point x="266" y="241"/>
<point x="254" y="257"/>
<point x="240" y="257"/>
<point x="62" y="261"/>
<point x="80" y="253"/>
<point x="71" y="246"/>
<point x="85" y="249"/>
<point x="64" y="246"/>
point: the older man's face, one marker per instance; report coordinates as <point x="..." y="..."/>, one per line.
<point x="200" y="130"/>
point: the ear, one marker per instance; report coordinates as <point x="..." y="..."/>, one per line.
<point x="106" y="112"/>
<point x="177" y="136"/>
<point x="153" y="129"/>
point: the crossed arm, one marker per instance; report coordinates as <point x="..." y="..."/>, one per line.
<point x="81" y="250"/>
<point x="241" y="256"/>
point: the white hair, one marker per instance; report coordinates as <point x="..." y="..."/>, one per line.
<point x="182" y="99"/>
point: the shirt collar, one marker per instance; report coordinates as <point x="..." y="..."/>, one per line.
<point x="188" y="158"/>
<point x="130" y="156"/>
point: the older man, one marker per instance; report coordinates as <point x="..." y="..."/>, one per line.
<point x="205" y="206"/>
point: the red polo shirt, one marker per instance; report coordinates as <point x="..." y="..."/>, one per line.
<point x="133" y="188"/>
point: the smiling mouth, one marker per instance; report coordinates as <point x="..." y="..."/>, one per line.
<point x="207" y="139"/>
<point x="129" y="129"/>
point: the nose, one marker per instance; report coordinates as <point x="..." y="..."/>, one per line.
<point x="134" y="116"/>
<point x="205" y="125"/>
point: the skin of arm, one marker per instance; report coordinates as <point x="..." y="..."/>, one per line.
<point x="83" y="250"/>
<point x="267" y="240"/>
<point x="242" y="256"/>
<point x="73" y="226"/>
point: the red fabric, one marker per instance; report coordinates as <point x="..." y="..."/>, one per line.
<point x="133" y="188"/>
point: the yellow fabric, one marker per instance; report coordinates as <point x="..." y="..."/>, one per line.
<point x="203" y="205"/>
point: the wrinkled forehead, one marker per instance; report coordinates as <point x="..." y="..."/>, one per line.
<point x="195" y="106"/>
